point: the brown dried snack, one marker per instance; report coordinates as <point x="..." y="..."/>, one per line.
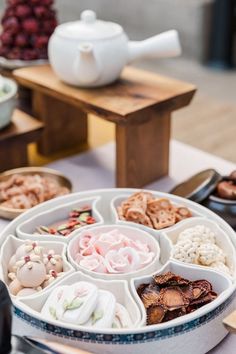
<point x="155" y="314"/>
<point x="172" y="298"/>
<point x="170" y="279"/>
<point x="203" y="300"/>
<point x="141" y="289"/>
<point x="162" y="219"/>
<point x="137" y="215"/>
<point x="202" y="284"/>
<point x="187" y="290"/>
<point x="120" y="213"/>
<point x="150" y="296"/>
<point x="155" y="205"/>
<point x="182" y="213"/>
<point x="138" y="199"/>
<point x="171" y="315"/>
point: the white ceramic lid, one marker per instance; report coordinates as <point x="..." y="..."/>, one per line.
<point x="89" y="28"/>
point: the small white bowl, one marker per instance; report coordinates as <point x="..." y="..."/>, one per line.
<point x="27" y="229"/>
<point x="220" y="284"/>
<point x="12" y="243"/>
<point x="130" y="232"/>
<point x="119" y="288"/>
<point x="222" y="239"/>
<point x="7" y="102"/>
<point x="116" y="201"/>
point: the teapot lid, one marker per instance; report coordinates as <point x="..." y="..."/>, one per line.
<point x="89" y="28"/>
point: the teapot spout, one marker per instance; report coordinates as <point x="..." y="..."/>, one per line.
<point x="86" y="68"/>
<point x="163" y="45"/>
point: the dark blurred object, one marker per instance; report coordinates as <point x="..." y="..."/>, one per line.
<point x="202" y="188"/>
<point x="222" y="34"/>
<point x="5" y="320"/>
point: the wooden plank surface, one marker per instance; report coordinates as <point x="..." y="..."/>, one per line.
<point x="65" y="125"/>
<point x="14" y="140"/>
<point x="23" y="127"/>
<point x="134" y="92"/>
<point x="142" y="151"/>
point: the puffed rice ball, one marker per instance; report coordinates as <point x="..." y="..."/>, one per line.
<point x="221" y="267"/>
<point x="209" y="253"/>
<point x="186" y="251"/>
<point x="199" y="233"/>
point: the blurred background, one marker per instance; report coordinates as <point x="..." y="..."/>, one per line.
<point x="207" y="32"/>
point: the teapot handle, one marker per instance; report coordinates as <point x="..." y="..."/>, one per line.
<point x="163" y="45"/>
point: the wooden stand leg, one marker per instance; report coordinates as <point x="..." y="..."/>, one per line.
<point x="142" y="151"/>
<point x="13" y="155"/>
<point x="65" y="125"/>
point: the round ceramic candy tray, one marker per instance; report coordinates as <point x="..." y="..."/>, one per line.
<point x="196" y="332"/>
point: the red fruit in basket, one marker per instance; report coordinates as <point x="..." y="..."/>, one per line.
<point x="40" y="11"/>
<point x="12" y="24"/>
<point x="42" y="53"/>
<point x="4" y="50"/>
<point x="29" y="54"/>
<point x="6" y="38"/>
<point x="46" y="2"/>
<point x="15" y="2"/>
<point x="41" y="41"/>
<point x="49" y="26"/>
<point x="30" y="25"/>
<point x="14" y="53"/>
<point x="21" y="40"/>
<point x="23" y="10"/>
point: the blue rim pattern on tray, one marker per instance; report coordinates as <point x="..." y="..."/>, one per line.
<point x="107" y="338"/>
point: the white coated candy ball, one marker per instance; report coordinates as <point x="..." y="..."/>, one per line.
<point x="11" y="264"/>
<point x="31" y="277"/>
<point x="15" y="286"/>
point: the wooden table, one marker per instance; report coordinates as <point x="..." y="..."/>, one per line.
<point x="95" y="169"/>
<point x="140" y="104"/>
<point x="14" y="140"/>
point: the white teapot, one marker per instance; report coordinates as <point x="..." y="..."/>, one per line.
<point x="90" y="52"/>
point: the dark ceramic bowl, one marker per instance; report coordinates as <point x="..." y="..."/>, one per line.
<point x="223" y="207"/>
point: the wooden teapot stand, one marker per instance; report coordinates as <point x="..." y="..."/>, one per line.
<point x="140" y="104"/>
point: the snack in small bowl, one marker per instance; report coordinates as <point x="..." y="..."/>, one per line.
<point x="202" y="242"/>
<point x="30" y="267"/>
<point x="114" y="250"/>
<point x="169" y="296"/>
<point x="77" y="218"/>
<point x="84" y="304"/>
<point x="156" y="213"/>
<point x="26" y="187"/>
<point x="81" y="301"/>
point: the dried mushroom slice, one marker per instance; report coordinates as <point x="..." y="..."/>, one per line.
<point x="201" y="287"/>
<point x="203" y="300"/>
<point x="150" y="296"/>
<point x="172" y="298"/>
<point x="155" y="314"/>
<point x="187" y="290"/>
<point x="170" y="278"/>
<point x="141" y="289"/>
<point x="171" y="315"/>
